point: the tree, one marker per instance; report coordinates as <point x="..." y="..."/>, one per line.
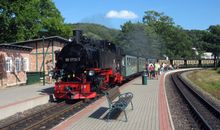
<point x="153" y="17"/>
<point x="23" y="20"/>
<point x="52" y="20"/>
<point x="213" y="41"/>
<point x="18" y="20"/>
<point x="197" y="39"/>
<point x="175" y="41"/>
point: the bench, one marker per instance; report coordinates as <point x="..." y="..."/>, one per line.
<point x="122" y="101"/>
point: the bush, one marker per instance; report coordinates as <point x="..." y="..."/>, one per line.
<point x="218" y="70"/>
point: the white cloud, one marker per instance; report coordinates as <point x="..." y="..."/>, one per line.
<point x="123" y="14"/>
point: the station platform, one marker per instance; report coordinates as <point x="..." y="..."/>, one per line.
<point x="21" y="98"/>
<point x="151" y="111"/>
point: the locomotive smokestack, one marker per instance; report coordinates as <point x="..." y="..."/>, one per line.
<point x="77" y="34"/>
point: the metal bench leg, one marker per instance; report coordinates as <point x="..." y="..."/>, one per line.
<point x="132" y="107"/>
<point x="109" y="114"/>
<point x="125" y="116"/>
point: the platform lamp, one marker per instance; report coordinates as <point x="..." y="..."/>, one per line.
<point x="43" y="38"/>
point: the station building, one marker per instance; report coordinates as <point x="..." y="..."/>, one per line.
<point x="20" y="58"/>
<point x="13" y="64"/>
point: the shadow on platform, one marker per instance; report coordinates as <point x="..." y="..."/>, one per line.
<point x="48" y="91"/>
<point x="102" y="114"/>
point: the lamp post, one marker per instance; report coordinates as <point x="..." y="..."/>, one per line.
<point x="43" y="62"/>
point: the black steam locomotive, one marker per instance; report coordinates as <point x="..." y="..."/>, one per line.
<point x="86" y="66"/>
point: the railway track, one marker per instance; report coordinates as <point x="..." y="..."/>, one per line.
<point x="206" y="115"/>
<point x="47" y="118"/>
<point x="51" y="115"/>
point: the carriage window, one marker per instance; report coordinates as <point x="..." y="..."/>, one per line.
<point x="123" y="62"/>
<point x="74" y="59"/>
<point x="127" y="61"/>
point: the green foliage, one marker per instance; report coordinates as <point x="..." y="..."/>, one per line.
<point x="218" y="70"/>
<point x="155" y="37"/>
<point x="52" y="20"/>
<point x="18" y="20"/>
<point x="175" y="41"/>
<point x="196" y="37"/>
<point x="23" y="20"/>
<point x="213" y="40"/>
<point x="153" y="17"/>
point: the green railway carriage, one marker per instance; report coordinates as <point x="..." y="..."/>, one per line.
<point x="129" y="65"/>
<point x="141" y="64"/>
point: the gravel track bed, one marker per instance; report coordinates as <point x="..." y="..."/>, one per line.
<point x="180" y="113"/>
<point x="26" y="113"/>
<point x="51" y="124"/>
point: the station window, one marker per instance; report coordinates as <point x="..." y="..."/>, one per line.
<point x="25" y="63"/>
<point x="17" y="64"/>
<point x="8" y="64"/>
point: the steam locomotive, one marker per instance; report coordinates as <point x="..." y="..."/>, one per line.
<point x="85" y="67"/>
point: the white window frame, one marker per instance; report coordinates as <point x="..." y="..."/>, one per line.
<point x="25" y="64"/>
<point x="17" y="68"/>
<point x="8" y="65"/>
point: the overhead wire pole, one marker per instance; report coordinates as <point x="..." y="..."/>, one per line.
<point x="43" y="62"/>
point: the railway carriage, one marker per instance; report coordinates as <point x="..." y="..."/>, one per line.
<point x="130" y="65"/>
<point x="192" y="63"/>
<point x="188" y="63"/>
<point x="207" y="63"/>
<point x="141" y="64"/>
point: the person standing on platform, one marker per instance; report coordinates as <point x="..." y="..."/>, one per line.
<point x="150" y="70"/>
<point x="147" y="71"/>
<point x="157" y="69"/>
<point x="50" y="68"/>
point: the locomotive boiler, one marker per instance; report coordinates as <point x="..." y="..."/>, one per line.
<point x="85" y="67"/>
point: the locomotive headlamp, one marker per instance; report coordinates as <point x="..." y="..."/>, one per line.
<point x="85" y="72"/>
<point x="73" y="75"/>
<point x="68" y="76"/>
<point x="91" y="72"/>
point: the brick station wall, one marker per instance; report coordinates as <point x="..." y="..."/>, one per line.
<point x="36" y="55"/>
<point x="12" y="78"/>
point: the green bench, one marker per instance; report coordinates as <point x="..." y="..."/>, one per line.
<point x="122" y="100"/>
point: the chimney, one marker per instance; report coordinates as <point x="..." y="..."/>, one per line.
<point x="78" y="35"/>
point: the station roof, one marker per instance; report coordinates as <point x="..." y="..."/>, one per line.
<point x="58" y="38"/>
<point x="15" y="47"/>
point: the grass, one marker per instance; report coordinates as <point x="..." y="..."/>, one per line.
<point x="208" y="80"/>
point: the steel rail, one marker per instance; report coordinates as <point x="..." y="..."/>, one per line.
<point x="199" y="117"/>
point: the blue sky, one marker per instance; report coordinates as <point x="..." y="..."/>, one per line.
<point x="190" y="14"/>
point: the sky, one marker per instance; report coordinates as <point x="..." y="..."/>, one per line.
<point x="189" y="14"/>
